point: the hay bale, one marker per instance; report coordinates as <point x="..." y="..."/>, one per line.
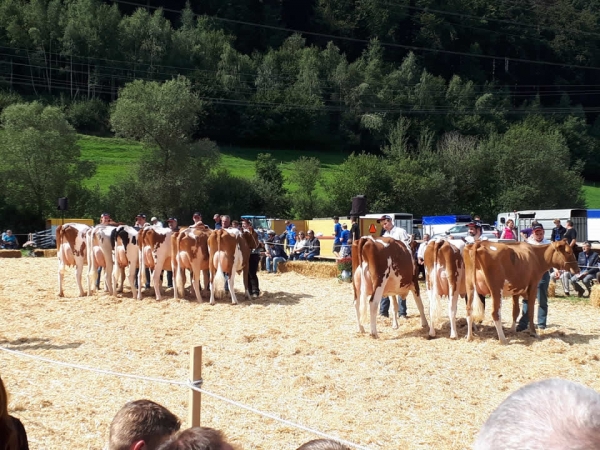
<point x="595" y="296"/>
<point x="10" y="253"/>
<point x="48" y="253"/>
<point x="552" y="289"/>
<point x="320" y="269"/>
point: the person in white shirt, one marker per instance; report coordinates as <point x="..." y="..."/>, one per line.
<point x="537" y="238"/>
<point x="398" y="234"/>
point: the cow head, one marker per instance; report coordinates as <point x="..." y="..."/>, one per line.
<point x="563" y="256"/>
<point x="251" y="238"/>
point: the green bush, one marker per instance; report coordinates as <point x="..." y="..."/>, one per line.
<point x="89" y="116"/>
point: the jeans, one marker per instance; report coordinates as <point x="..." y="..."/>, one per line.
<point x="252" y="277"/>
<point x="273" y="262"/>
<point x="542" y="298"/>
<point x="169" y="278"/>
<point x="147" y="272"/>
<point x="587" y="282"/>
<point x="308" y="256"/>
<point x="384" y="307"/>
<point x="98" y="279"/>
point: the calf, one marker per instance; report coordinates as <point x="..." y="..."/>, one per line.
<point x="71" y="249"/>
<point x="155" y="248"/>
<point x="511" y="269"/>
<point x="445" y="277"/>
<point x="382" y="266"/>
<point x="126" y="255"/>
<point x="101" y="245"/>
<point x="191" y="253"/>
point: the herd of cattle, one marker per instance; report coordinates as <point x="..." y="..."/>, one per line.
<point x="114" y="248"/>
<point x="386" y="267"/>
<point x="381" y="267"/>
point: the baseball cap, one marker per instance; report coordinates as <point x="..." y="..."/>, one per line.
<point x="105" y="215"/>
<point x="271" y="232"/>
<point x="536" y="227"/>
<point x="172" y="219"/>
<point x="197" y="214"/>
<point x="474" y="224"/>
<point x="384" y="217"/>
<point x="143" y="216"/>
<point x="153" y="219"/>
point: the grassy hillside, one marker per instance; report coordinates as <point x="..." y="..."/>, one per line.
<point x="592" y="195"/>
<point x="116" y="156"/>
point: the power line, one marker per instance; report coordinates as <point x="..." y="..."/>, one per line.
<point x="364" y="41"/>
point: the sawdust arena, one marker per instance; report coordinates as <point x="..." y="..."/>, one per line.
<point x="293" y="352"/>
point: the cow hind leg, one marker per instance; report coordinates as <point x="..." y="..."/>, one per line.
<point x="394" y="299"/>
<point x="497" y="316"/>
<point x="78" y="275"/>
<point x="374" y="302"/>
<point x="61" y="276"/>
<point x="452" y="307"/>
<point x="231" y="283"/>
<point x="419" y="303"/>
<point x="515" y="312"/>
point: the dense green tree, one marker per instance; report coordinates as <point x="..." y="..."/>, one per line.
<point x="306" y="174"/>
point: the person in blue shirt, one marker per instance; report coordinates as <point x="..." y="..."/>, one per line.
<point x="345" y="240"/>
<point x="337" y="236"/>
<point x="9" y="241"/>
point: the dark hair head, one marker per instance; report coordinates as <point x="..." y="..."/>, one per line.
<point x="141" y="420"/>
<point x="197" y="438"/>
<point x="322" y="444"/>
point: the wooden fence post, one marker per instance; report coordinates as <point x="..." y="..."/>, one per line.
<point x="195" y="396"/>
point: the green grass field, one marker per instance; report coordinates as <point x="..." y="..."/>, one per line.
<point x="592" y="195"/>
<point x="116" y="156"/>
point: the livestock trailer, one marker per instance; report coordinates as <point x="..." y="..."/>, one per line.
<point x="369" y="225"/>
<point x="546" y="217"/>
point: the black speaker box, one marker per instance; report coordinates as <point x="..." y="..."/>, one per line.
<point x="63" y="204"/>
<point x="359" y="206"/>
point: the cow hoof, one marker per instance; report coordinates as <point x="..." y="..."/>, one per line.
<point x="60" y="294"/>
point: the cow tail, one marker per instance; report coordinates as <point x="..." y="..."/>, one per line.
<point x="478" y="312"/>
<point x="363" y="297"/>
<point x="435" y="305"/>
<point x="219" y="281"/>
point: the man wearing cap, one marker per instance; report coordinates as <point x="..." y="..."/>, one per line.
<point x="558" y="232"/>
<point x="197" y="218"/>
<point x="474" y="232"/>
<point x="276" y="253"/>
<point x="537" y="238"/>
<point x="588" y="266"/>
<point x="140" y="221"/>
<point x="337" y="236"/>
<point x="154" y="221"/>
<point x="398" y="234"/>
<point x="253" y="262"/>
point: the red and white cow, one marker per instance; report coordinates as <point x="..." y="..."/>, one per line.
<point x="101" y="245"/>
<point x="229" y="251"/>
<point x="445" y="277"/>
<point x="382" y="267"/>
<point x="191" y="253"/>
<point x="155" y="253"/>
<point x="127" y="254"/>
<point x="71" y="249"/>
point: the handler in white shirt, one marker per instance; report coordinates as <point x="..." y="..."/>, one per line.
<point x="398" y="234"/>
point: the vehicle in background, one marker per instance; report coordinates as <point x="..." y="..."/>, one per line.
<point x="462" y="231"/>
<point x="434" y="225"/>
<point x="583" y="221"/>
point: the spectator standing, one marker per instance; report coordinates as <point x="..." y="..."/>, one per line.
<point x="198" y="438"/>
<point x="197" y="218"/>
<point x="526" y="232"/>
<point x="9" y="240"/>
<point x="399" y="234"/>
<point x="355" y="229"/>
<point x="254" y="262"/>
<point x="558" y="232"/>
<point x="12" y="431"/>
<point x="217" y="219"/>
<point x="105" y="219"/>
<point x="174" y="226"/>
<point x="140" y="222"/>
<point x="291" y="238"/>
<point x="337" y="236"/>
<point x="421" y="254"/>
<point x="142" y="425"/>
<point x="298" y="246"/>
<point x="346" y="241"/>
<point x="155" y="222"/>
<point x="312" y="247"/>
<point x="537" y="238"/>
<point x="571" y="234"/>
<point x="588" y="266"/>
<point x="276" y="252"/>
<point x="509" y="232"/>
<point x="225" y="222"/>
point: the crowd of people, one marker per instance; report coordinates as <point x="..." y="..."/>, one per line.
<point x="568" y="413"/>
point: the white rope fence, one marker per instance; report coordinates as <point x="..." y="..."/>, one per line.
<point x="191" y="384"/>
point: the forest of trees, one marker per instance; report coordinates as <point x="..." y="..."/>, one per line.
<point x="446" y="106"/>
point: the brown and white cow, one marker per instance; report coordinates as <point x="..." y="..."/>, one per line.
<point x="511" y="269"/>
<point x="445" y="277"/>
<point x="382" y="267"/>
<point x="101" y="245"/>
<point x="71" y="249"/>
<point x="229" y="251"/>
<point x="191" y="253"/>
<point x="126" y="255"/>
<point x="155" y="253"/>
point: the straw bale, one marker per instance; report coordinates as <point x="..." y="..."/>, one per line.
<point x="595" y="296"/>
<point x="293" y="352"/>
<point x="45" y="253"/>
<point x="316" y="269"/>
<point x="552" y="289"/>
<point x="10" y="253"/>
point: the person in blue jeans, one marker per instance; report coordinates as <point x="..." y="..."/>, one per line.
<point x="312" y="247"/>
<point x="276" y="253"/>
<point x="537" y="238"/>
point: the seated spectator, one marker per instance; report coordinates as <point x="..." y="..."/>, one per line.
<point x="312" y="247"/>
<point x="276" y="253"/>
<point x="588" y="266"/>
<point x="9" y="240"/>
<point x="323" y="444"/>
<point x="298" y="246"/>
<point x="197" y="438"/>
<point x="550" y="414"/>
<point x="142" y="425"/>
<point x="12" y="431"/>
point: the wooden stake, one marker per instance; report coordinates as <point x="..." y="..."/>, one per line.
<point x="195" y="396"/>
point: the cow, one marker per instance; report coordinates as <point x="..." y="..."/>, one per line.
<point x="101" y="245"/>
<point x="191" y="252"/>
<point x="126" y="255"/>
<point x="382" y="266"/>
<point x="155" y="248"/>
<point x="445" y="277"/>
<point x="229" y="251"/>
<point x="511" y="269"/>
<point x="71" y="249"/>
